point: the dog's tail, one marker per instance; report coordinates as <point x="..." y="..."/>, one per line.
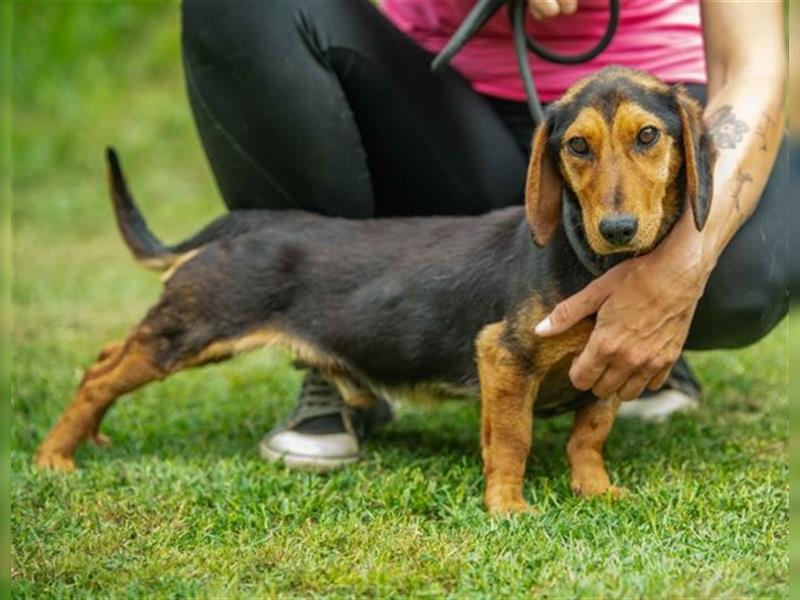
<point x="143" y="244"/>
<point x="152" y="252"/>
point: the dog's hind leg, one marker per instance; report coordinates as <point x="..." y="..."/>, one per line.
<point x="109" y="355"/>
<point x="173" y="336"/>
<point x="109" y="350"/>
<point x="166" y="341"/>
<point x="129" y="367"/>
<point x="585" y="448"/>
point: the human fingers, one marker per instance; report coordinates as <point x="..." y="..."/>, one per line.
<point x="543" y="9"/>
<point x="634" y="387"/>
<point x="610" y="382"/>
<point x="577" y="307"/>
<point x="568" y="7"/>
<point x="588" y="368"/>
<point x="657" y="382"/>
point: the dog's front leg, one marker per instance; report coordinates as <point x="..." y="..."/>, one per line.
<point x="585" y="448"/>
<point x="507" y="392"/>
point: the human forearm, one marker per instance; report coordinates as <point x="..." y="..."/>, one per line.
<point x="744" y="112"/>
<point x="745" y="117"/>
<point x="746" y="121"/>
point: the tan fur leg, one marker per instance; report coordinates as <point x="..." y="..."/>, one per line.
<point x="507" y="392"/>
<point x="110" y="349"/>
<point x="124" y="367"/>
<point x="132" y="367"/>
<point x="585" y="448"/>
<point x="108" y="356"/>
<point x="106" y="359"/>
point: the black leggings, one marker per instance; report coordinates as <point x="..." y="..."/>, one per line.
<point x="327" y="107"/>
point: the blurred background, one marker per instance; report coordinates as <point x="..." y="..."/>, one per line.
<point x="87" y="75"/>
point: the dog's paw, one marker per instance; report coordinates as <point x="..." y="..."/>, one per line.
<point x="54" y="461"/>
<point x="507" y="501"/>
<point x="100" y="440"/>
<point x="618" y="491"/>
<point x="597" y="486"/>
<point x="508" y="509"/>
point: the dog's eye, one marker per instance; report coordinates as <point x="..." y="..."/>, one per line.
<point x="647" y="136"/>
<point x="578" y="146"/>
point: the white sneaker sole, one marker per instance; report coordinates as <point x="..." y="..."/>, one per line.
<point x="301" y="462"/>
<point x="658" y="407"/>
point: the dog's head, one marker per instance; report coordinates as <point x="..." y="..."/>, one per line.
<point x="633" y="150"/>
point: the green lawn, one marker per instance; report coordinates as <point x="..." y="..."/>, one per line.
<point x="181" y="505"/>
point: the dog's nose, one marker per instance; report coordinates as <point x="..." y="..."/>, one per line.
<point x="619" y="229"/>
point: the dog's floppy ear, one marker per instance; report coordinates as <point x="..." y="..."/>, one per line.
<point x="543" y="189"/>
<point x="698" y="156"/>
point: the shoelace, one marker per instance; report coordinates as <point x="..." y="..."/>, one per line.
<point x="319" y="399"/>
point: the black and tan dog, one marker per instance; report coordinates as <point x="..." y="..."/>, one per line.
<point x="440" y="303"/>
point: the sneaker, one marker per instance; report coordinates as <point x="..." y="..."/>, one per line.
<point x="680" y="393"/>
<point x="322" y="433"/>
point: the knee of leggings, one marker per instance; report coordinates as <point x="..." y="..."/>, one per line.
<point x="739" y="319"/>
<point x="225" y="28"/>
<point x="240" y="12"/>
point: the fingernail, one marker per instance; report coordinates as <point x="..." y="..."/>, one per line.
<point x="544" y="327"/>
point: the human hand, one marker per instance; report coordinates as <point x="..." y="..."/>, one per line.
<point x="644" y="308"/>
<point x="546" y="9"/>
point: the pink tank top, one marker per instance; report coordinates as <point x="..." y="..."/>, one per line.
<point x="663" y="37"/>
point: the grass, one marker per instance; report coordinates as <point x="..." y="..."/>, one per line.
<point x="182" y="506"/>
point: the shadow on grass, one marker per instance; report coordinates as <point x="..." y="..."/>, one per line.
<point x="446" y="435"/>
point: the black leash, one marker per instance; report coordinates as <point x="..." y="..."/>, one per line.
<point x="485" y="10"/>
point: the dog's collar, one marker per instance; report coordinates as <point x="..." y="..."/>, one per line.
<point x="594" y="263"/>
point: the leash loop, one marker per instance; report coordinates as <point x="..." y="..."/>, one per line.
<point x="485" y="9"/>
<point x="574" y="59"/>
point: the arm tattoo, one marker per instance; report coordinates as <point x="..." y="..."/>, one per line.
<point x="765" y="124"/>
<point x="736" y="187"/>
<point x="725" y="129"/>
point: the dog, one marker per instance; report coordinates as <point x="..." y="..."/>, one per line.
<point x="446" y="305"/>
